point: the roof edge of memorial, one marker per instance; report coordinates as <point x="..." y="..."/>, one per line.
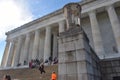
<point x="59" y="11"/>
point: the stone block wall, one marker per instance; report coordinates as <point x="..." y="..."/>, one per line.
<point x="110" y="68"/>
<point x="77" y="60"/>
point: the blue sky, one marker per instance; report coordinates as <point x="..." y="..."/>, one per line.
<point x="43" y="7"/>
<point x="14" y="13"/>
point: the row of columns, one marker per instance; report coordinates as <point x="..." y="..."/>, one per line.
<point x="98" y="44"/>
<point x="20" y="58"/>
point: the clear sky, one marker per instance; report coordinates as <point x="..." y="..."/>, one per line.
<point x="14" y="13"/>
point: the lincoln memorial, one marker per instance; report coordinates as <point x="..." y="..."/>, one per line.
<point x="38" y="39"/>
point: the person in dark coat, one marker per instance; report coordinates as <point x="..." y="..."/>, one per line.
<point x="41" y="68"/>
<point x="50" y="60"/>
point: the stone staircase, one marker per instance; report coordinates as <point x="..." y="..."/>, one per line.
<point x="29" y="74"/>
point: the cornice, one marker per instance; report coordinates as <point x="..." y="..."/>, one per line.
<point x="86" y="5"/>
<point x="83" y="2"/>
<point x="57" y="12"/>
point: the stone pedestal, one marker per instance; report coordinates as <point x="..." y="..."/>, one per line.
<point x="77" y="61"/>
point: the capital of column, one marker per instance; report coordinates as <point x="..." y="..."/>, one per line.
<point x="28" y="35"/>
<point x="92" y="14"/>
<point x="48" y="28"/>
<point x="12" y="41"/>
<point x="110" y="6"/>
<point x="37" y="32"/>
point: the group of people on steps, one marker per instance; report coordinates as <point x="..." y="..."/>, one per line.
<point x="53" y="76"/>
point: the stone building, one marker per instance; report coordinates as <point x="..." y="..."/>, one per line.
<point x="100" y="20"/>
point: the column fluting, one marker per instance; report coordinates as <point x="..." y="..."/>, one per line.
<point x="4" y="58"/>
<point x="18" y="50"/>
<point x="35" y="45"/>
<point x="26" y="48"/>
<point x="41" y="47"/>
<point x="98" y="45"/>
<point x="55" y="45"/>
<point x="115" y="24"/>
<point x="47" y="47"/>
<point x="10" y="56"/>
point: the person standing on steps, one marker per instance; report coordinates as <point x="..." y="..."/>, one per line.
<point x="50" y="60"/>
<point x="41" y="68"/>
<point x="53" y="76"/>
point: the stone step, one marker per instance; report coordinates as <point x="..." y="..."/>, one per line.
<point x="29" y="74"/>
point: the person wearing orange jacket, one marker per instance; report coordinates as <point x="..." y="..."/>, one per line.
<point x="53" y="76"/>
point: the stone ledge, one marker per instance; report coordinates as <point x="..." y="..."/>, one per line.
<point x="7" y="68"/>
<point x="83" y="2"/>
<point x="72" y="32"/>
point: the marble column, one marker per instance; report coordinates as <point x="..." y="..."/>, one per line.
<point x="35" y="45"/>
<point x="115" y="24"/>
<point x="55" y="45"/>
<point x="98" y="45"/>
<point x="4" y="58"/>
<point x="47" y="47"/>
<point x="26" y="48"/>
<point x="61" y="26"/>
<point x="10" y="56"/>
<point x="41" y="47"/>
<point x="18" y="50"/>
